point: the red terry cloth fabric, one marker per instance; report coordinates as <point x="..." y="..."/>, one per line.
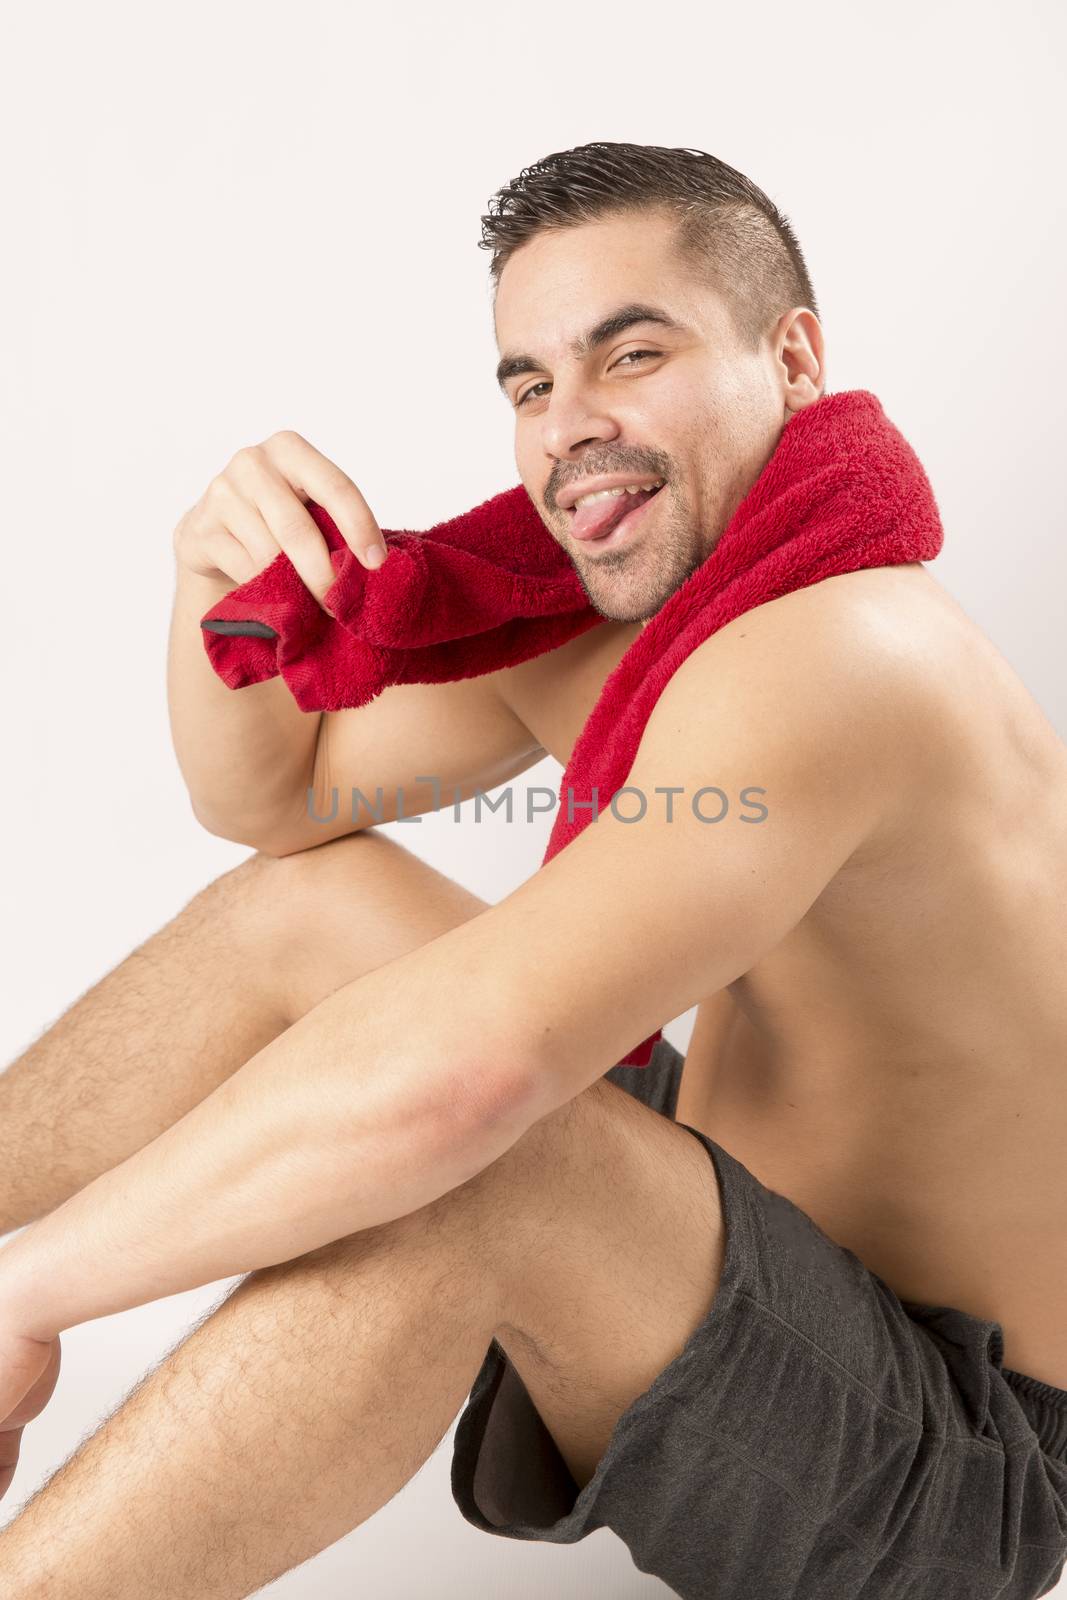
<point x="842" y="490"/>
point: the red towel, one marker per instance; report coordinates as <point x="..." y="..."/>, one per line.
<point x="842" y="490"/>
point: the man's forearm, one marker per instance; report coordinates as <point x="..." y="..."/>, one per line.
<point x="246" y="754"/>
<point x="369" y="1107"/>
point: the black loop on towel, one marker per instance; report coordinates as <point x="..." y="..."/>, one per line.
<point x="255" y="630"/>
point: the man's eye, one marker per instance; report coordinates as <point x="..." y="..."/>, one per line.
<point x="523" y="398"/>
<point x="543" y="384"/>
<point x="630" y="353"/>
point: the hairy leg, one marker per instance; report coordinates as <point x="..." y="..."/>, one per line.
<point x="304" y="1403"/>
<point x="591" y="1249"/>
<point x="239" y="964"/>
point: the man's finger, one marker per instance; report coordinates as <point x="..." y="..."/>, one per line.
<point x="291" y="525"/>
<point x="323" y="481"/>
<point x="40" y="1380"/>
<point x="41" y="1392"/>
<point x="10" y="1443"/>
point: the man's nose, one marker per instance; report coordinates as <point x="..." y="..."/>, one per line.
<point x="572" y="421"/>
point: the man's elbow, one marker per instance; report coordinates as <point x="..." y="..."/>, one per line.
<point x="265" y="837"/>
<point x="497" y="1091"/>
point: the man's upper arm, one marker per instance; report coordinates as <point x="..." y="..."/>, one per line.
<point x="464" y="734"/>
<point x="633" y="923"/>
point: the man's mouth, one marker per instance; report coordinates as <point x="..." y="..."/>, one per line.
<point x="598" y="518"/>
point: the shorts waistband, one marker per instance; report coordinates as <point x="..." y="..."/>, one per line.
<point x="1046" y="1408"/>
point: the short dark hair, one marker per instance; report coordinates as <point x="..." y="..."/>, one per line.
<point x="727" y="226"/>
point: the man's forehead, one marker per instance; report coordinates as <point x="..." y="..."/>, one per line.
<point x="559" y="292"/>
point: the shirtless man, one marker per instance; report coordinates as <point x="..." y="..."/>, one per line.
<point x="882" y="1038"/>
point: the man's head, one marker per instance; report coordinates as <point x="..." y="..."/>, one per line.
<point x="607" y="229"/>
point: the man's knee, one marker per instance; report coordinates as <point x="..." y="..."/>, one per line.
<point x="263" y="874"/>
<point x="270" y="892"/>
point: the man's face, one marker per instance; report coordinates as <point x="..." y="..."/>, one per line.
<point x="685" y="404"/>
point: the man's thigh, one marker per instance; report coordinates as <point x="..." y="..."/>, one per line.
<point x="604" y="1228"/>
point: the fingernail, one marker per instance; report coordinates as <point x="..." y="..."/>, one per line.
<point x="374" y="555"/>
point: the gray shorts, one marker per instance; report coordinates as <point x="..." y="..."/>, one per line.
<point x="816" y="1439"/>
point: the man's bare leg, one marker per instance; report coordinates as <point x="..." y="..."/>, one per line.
<point x="282" y="1422"/>
<point x="247" y="956"/>
<point x="320" y="1386"/>
<point x="241" y="962"/>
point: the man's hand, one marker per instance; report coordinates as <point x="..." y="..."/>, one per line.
<point x="28" y="1372"/>
<point x="257" y="507"/>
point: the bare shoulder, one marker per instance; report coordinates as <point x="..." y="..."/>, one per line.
<point x="829" y="686"/>
<point x="857" y="637"/>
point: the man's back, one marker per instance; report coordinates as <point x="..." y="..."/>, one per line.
<point x="897" y="1066"/>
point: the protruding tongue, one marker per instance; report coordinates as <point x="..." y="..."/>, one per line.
<point x="594" y="520"/>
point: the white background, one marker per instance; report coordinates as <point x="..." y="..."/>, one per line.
<point x="221" y="220"/>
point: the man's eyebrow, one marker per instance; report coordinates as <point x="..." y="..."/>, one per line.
<point x="607" y="328"/>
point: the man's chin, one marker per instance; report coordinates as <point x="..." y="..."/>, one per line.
<point x="619" y="605"/>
